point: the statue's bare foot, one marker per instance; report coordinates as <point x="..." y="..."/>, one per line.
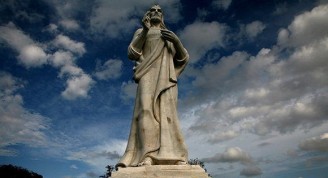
<point x="146" y="162"/>
<point x="181" y="163"/>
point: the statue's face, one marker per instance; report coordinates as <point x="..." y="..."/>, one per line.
<point x="155" y="14"/>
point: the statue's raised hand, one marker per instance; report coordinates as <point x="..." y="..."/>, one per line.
<point x="146" y="22"/>
<point x="170" y="36"/>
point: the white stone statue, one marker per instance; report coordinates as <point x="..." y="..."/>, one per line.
<point x="155" y="136"/>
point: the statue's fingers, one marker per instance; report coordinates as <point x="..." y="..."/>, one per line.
<point x="163" y="32"/>
<point x="167" y="36"/>
<point x="166" y="31"/>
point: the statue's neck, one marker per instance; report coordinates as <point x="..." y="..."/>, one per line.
<point x="155" y="28"/>
<point x="155" y="24"/>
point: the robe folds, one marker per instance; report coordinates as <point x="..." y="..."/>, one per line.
<point x="155" y="130"/>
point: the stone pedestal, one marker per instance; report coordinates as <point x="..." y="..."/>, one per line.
<point x="161" y="171"/>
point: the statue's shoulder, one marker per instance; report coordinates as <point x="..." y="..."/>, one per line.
<point x="138" y="31"/>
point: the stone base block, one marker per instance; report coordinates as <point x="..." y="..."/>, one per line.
<point x="161" y="171"/>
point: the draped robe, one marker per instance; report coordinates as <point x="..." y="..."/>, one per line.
<point x="155" y="130"/>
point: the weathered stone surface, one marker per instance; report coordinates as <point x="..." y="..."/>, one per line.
<point x="161" y="171"/>
<point x="159" y="57"/>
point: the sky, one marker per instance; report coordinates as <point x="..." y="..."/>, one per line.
<point x="252" y="101"/>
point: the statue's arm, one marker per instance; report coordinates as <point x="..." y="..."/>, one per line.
<point x="181" y="52"/>
<point x="135" y="47"/>
<point x="139" y="38"/>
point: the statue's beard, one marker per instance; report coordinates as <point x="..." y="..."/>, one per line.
<point x="156" y="19"/>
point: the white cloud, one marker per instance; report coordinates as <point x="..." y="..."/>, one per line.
<point x="254" y="28"/>
<point x="9" y="84"/>
<point x="251" y="171"/>
<point x="61" y="58"/>
<point x="62" y="41"/>
<point x="70" y="71"/>
<point x="69" y="24"/>
<point x="234" y="154"/>
<point x="78" y="83"/>
<point x="69" y="10"/>
<point x="272" y="94"/>
<point x="256" y="105"/>
<point x="223" y="136"/>
<point x="324" y="136"/>
<point x="111" y="69"/>
<point x="93" y="155"/>
<point x="110" y="19"/>
<point x="309" y="58"/>
<point x="306" y="28"/>
<point x="17" y="124"/>
<point x="222" y="4"/>
<point x="30" y="53"/>
<point x="283" y="36"/>
<point x="15" y="37"/>
<point x="128" y="90"/>
<point x="77" y="86"/>
<point x="52" y="28"/>
<point x="7" y="152"/>
<point x="315" y="144"/>
<point x="257" y="93"/>
<point x="99" y="156"/>
<point x="200" y="37"/>
<point x="265" y="92"/>
<point x="73" y="166"/>
<point x="212" y="74"/>
<point x="118" y="17"/>
<point x="249" y="31"/>
<point x="32" y="56"/>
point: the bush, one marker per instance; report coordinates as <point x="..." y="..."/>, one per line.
<point x="10" y="171"/>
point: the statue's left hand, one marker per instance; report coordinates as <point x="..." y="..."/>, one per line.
<point x="170" y="36"/>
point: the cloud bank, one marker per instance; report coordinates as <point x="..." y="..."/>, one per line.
<point x="33" y="54"/>
<point x="18" y="125"/>
<point x="243" y="91"/>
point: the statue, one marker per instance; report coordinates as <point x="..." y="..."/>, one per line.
<point x="155" y="136"/>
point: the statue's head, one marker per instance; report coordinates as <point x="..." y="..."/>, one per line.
<point x="155" y="14"/>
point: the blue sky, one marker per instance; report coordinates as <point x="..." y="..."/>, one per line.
<point x="252" y="101"/>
